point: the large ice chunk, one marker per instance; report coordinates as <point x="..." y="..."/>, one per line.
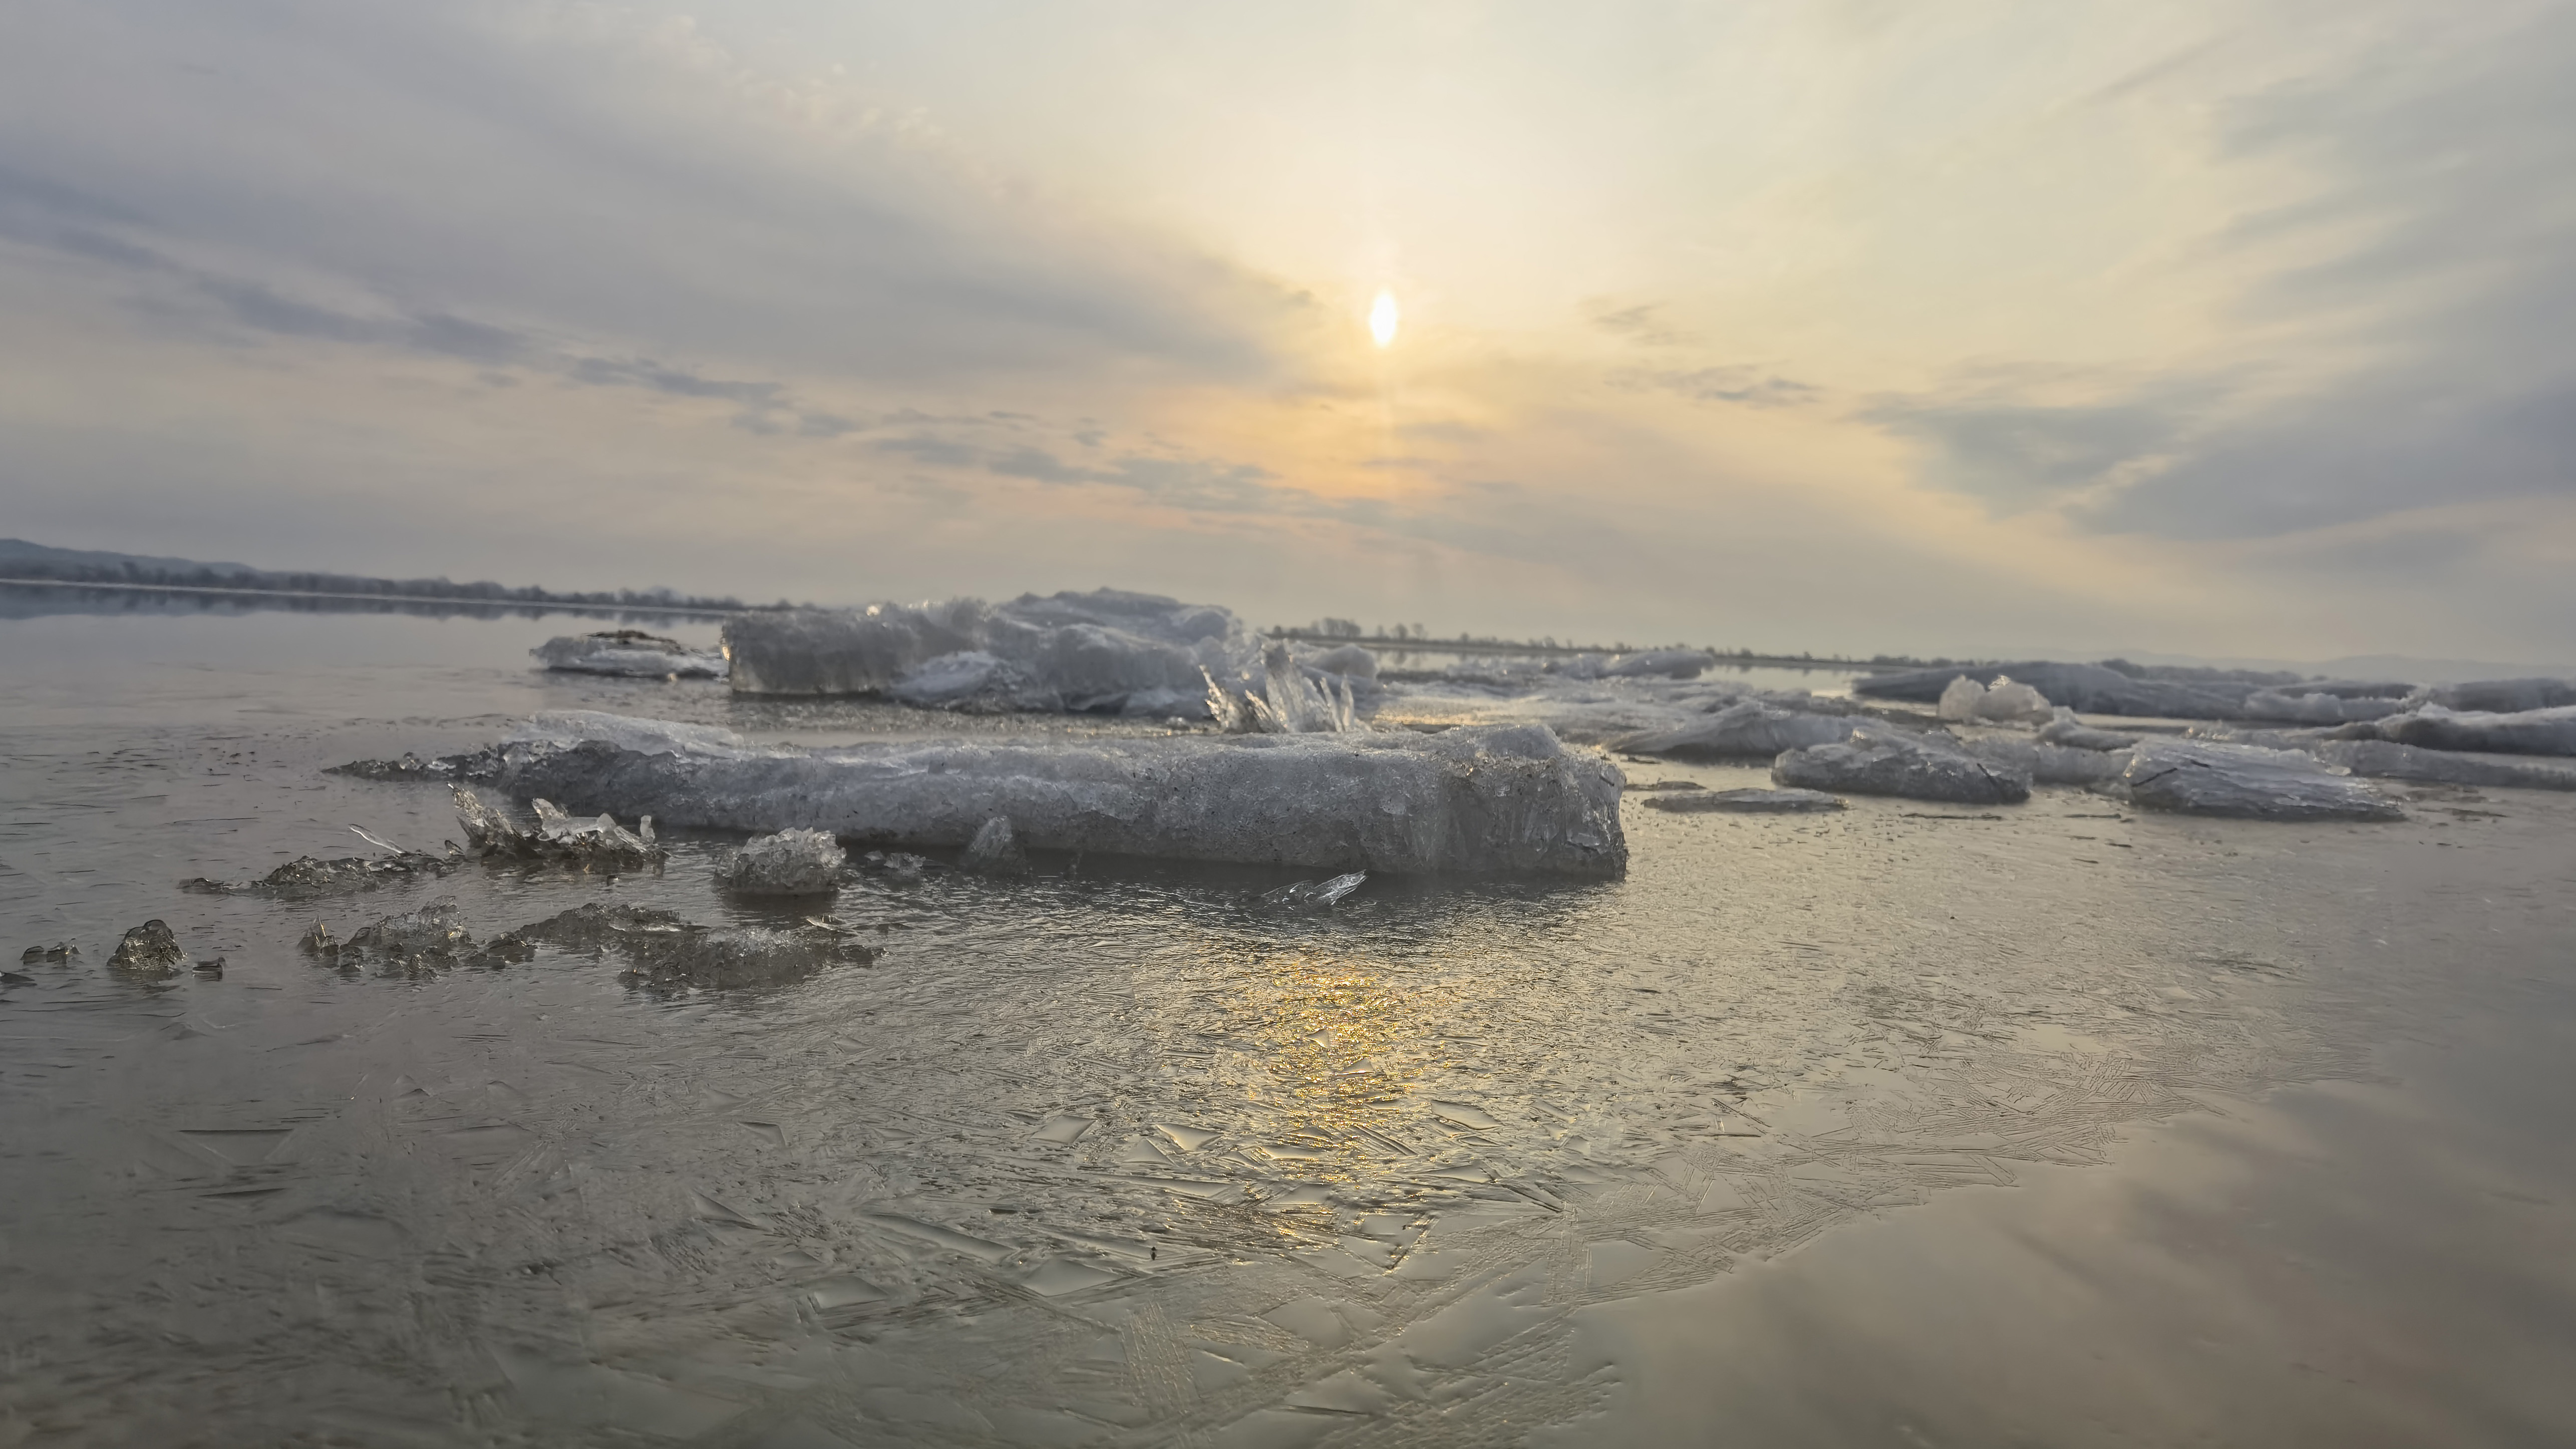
<point x="2386" y="760"/>
<point x="2242" y="780"/>
<point x="629" y="652"/>
<point x="2523" y="732"/>
<point x="790" y="863"/>
<point x="1105" y="650"/>
<point x="1747" y="728"/>
<point x="1486" y="800"/>
<point x="2092" y="688"/>
<point x="1877" y="760"/>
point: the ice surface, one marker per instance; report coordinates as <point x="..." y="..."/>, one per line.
<point x="629" y="652"/>
<point x="1878" y="760"/>
<point x="1966" y="701"/>
<point x="2063" y="728"/>
<point x="2387" y="760"/>
<point x="2549" y="731"/>
<point x="2242" y="780"/>
<point x="2504" y="696"/>
<point x="789" y="863"/>
<point x="996" y="849"/>
<point x="2048" y="764"/>
<point x="1108" y="650"/>
<point x="1746" y="728"/>
<point x="149" y="950"/>
<point x="600" y="844"/>
<point x="1492" y="799"/>
<point x="2318" y="706"/>
<point x="664" y="951"/>
<point x="1747" y="800"/>
<point x="2091" y="688"/>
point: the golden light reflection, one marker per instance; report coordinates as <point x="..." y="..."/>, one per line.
<point x="1345" y="1047"/>
<point x="1383" y="317"/>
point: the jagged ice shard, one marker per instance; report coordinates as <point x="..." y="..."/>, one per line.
<point x="1476" y="800"/>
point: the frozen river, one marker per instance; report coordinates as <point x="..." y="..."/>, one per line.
<point x="2054" y="1123"/>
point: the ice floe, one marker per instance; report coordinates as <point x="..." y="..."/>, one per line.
<point x="1878" y="760"/>
<point x="2090" y="688"/>
<point x="629" y="652"/>
<point x="2550" y="731"/>
<point x="2386" y="759"/>
<point x="2203" y="778"/>
<point x="1508" y="800"/>
<point x="1746" y="728"/>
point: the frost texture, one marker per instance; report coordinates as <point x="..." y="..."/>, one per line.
<point x="1746" y="728"/>
<point x="629" y="652"/>
<point x="2242" y="780"/>
<point x="1108" y="650"/>
<point x="1880" y="761"/>
<point x="1485" y="800"/>
<point x="790" y="863"/>
<point x="1762" y="802"/>
<point x="2432" y="727"/>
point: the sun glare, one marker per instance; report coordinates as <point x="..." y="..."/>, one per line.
<point x="1383" y="315"/>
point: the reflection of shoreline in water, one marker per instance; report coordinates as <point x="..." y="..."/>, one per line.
<point x="35" y="599"/>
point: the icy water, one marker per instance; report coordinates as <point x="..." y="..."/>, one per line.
<point x="1909" y="1125"/>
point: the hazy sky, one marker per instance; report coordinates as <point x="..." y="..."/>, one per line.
<point x="2241" y="328"/>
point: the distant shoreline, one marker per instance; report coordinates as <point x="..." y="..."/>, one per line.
<point x="445" y="601"/>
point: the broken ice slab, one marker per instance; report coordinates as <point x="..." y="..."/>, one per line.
<point x="1746" y="728"/>
<point x="2549" y="731"/>
<point x="417" y="943"/>
<point x="629" y="652"/>
<point x="1475" y="800"/>
<point x="1878" y="760"/>
<point x="1773" y="802"/>
<point x="2242" y="780"/>
<point x="2381" y="759"/>
<point x="306" y="876"/>
<point x="789" y="863"/>
<point x="2047" y="764"/>
<point x="149" y="950"/>
<point x="2091" y="688"/>
<point x="2504" y="696"/>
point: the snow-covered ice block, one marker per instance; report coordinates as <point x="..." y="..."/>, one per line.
<point x="2384" y="759"/>
<point x="1747" y="728"/>
<point x="789" y="863"/>
<point x="629" y="652"/>
<point x="1479" y="799"/>
<point x="1881" y="761"/>
<point x="2214" y="779"/>
<point x="2523" y="732"/>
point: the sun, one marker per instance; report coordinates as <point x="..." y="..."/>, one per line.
<point x="1383" y="317"/>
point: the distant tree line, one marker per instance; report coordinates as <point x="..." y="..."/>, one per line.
<point x="216" y="580"/>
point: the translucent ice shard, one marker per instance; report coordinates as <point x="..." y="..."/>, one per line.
<point x="1481" y="799"/>
<point x="1746" y="728"/>
<point x="789" y="863"/>
<point x="629" y="652"/>
<point x="1316" y="892"/>
<point x="2242" y="780"/>
<point x="995" y="850"/>
<point x="599" y="844"/>
<point x="1880" y="761"/>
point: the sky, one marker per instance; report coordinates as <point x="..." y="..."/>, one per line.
<point x="2232" y="329"/>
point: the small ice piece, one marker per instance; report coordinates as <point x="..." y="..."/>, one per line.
<point x="629" y="652"/>
<point x="305" y="876"/>
<point x="1490" y="799"/>
<point x="2549" y="731"/>
<point x="420" y="943"/>
<point x="1746" y="728"/>
<point x="995" y="850"/>
<point x="2503" y="696"/>
<point x="1316" y="893"/>
<point x="149" y="950"/>
<point x="1747" y="800"/>
<point x="318" y="941"/>
<point x="1966" y="701"/>
<point x="1880" y="761"/>
<point x="2213" y="779"/>
<point x="790" y="863"/>
<point x="2382" y="759"/>
<point x="2317" y="707"/>
<point x="2063" y="728"/>
<point x="59" y="951"/>
<point x="599" y="844"/>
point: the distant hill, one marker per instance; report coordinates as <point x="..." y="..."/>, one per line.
<point x="36" y="562"/>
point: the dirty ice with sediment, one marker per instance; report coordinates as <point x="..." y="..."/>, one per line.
<point x="1086" y="1019"/>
